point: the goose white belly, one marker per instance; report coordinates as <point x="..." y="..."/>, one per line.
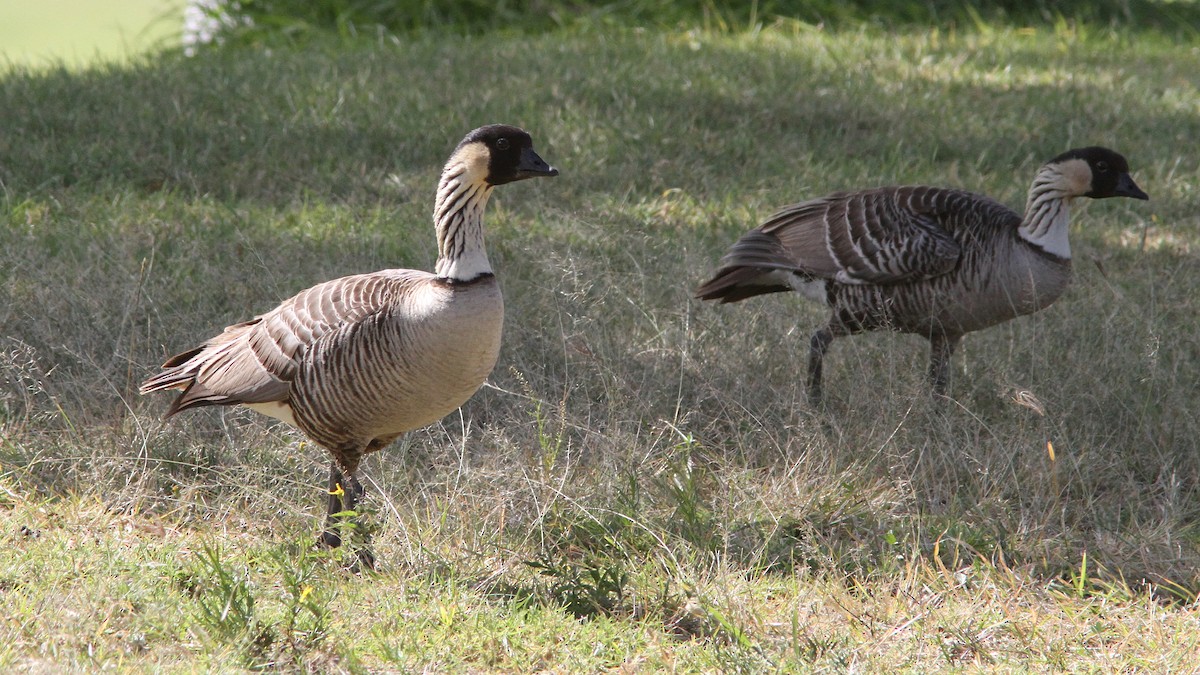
<point x="277" y="409"/>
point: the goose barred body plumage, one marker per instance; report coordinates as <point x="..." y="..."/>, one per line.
<point x="936" y="262"/>
<point x="355" y="362"/>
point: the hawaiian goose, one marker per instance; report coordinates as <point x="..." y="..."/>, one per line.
<point x="357" y="361"/>
<point x="937" y="262"/>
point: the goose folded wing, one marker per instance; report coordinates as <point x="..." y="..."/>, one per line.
<point x="255" y="361"/>
<point x="883" y="236"/>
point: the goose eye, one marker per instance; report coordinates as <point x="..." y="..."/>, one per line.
<point x="501" y="143"/>
<point x="1102" y="166"/>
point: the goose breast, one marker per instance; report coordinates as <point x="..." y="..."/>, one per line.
<point x="402" y="368"/>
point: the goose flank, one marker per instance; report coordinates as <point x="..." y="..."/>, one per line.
<point x="937" y="262"/>
<point x="358" y="361"/>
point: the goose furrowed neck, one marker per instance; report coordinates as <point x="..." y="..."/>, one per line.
<point x="1048" y="214"/>
<point x="458" y="219"/>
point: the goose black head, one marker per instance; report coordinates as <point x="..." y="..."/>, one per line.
<point x="504" y="152"/>
<point x="1098" y="173"/>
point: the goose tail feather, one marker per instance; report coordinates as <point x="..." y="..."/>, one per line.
<point x="756" y="264"/>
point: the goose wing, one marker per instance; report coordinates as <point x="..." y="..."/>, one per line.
<point x="255" y="361"/>
<point x="882" y="236"/>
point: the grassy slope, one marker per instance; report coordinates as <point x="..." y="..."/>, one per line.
<point x="77" y="32"/>
<point x="653" y="455"/>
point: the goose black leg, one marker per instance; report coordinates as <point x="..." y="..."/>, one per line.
<point x="816" y="355"/>
<point x="339" y="500"/>
<point x="941" y="348"/>
<point x="345" y="492"/>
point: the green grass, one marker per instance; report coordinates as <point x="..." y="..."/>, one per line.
<point x="643" y="485"/>
<point x="80" y="32"/>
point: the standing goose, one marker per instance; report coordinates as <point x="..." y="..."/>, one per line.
<point x="937" y="262"/>
<point x="358" y="361"/>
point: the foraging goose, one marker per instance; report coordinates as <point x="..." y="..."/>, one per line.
<point x="937" y="262"/>
<point x="357" y="361"/>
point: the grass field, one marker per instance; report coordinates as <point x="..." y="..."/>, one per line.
<point x="76" y="33"/>
<point x="642" y="487"/>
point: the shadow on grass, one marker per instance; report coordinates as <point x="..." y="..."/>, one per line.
<point x="341" y="125"/>
<point x="284" y="21"/>
<point x="1134" y="14"/>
